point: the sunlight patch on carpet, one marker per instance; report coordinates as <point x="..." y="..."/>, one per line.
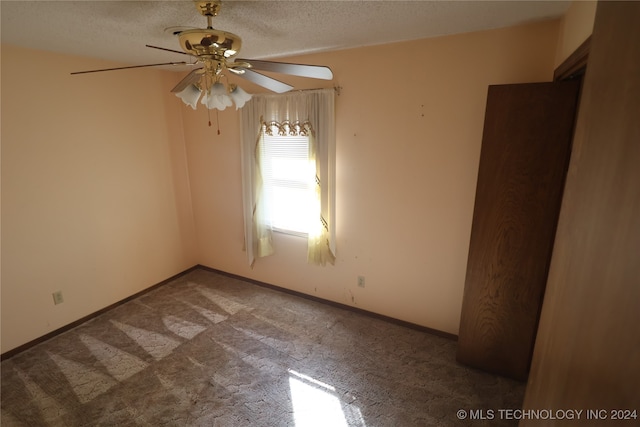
<point x="181" y="327"/>
<point x="212" y="316"/>
<point x="49" y="407"/>
<point x="314" y="402"/>
<point x="87" y="383"/>
<point x="226" y="304"/>
<point x="157" y="345"/>
<point x="120" y="364"/>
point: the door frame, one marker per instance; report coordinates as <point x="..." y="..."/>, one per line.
<point x="575" y="64"/>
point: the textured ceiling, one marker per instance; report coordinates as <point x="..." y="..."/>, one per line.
<point x="119" y="30"/>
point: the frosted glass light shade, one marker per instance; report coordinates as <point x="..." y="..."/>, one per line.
<point x="190" y="95"/>
<point x="217" y="97"/>
<point x="239" y="96"/>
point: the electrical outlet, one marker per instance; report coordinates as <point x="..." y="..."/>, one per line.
<point x="57" y="298"/>
<point x="361" y="281"/>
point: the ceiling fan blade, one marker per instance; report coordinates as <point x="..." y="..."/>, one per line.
<point x="265" y="81"/>
<point x="301" y="70"/>
<point x="190" y="79"/>
<point x="129" y="67"/>
<point x="175" y="30"/>
<point x="168" y="50"/>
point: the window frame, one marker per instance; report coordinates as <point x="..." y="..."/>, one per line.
<point x="286" y="130"/>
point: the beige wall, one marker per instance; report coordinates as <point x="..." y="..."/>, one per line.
<point x="409" y="126"/>
<point x="95" y="198"/>
<point x="575" y="26"/>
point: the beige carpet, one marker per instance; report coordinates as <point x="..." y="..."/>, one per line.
<point x="209" y="350"/>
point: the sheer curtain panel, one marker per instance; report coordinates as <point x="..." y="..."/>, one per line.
<point x="277" y="111"/>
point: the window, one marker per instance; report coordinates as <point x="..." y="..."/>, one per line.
<point x="288" y="179"/>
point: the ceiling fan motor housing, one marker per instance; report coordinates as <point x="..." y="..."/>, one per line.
<point x="210" y="43"/>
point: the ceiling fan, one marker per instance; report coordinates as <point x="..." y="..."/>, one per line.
<point x="215" y="54"/>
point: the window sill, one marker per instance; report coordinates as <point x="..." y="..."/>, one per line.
<point x="291" y="232"/>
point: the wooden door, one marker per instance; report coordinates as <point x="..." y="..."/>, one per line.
<point x="587" y="352"/>
<point x="526" y="147"/>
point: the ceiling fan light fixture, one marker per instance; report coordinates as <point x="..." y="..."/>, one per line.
<point x="190" y="95"/>
<point x="217" y="97"/>
<point x="239" y="96"/>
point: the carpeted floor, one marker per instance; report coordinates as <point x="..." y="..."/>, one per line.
<point x="209" y="350"/>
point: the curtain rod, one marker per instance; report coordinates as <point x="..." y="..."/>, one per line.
<point x="337" y="89"/>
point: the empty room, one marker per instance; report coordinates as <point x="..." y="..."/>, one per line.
<point x="320" y="213"/>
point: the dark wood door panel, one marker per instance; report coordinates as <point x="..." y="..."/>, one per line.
<point x="525" y="151"/>
<point x="587" y="350"/>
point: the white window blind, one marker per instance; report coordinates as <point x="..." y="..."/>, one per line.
<point x="288" y="177"/>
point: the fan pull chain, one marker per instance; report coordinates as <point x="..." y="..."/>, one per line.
<point x="217" y="119"/>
